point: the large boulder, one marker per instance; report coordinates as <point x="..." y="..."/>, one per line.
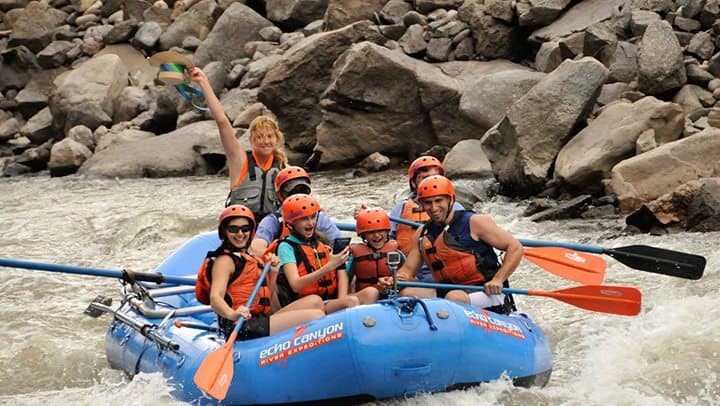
<point x="292" y="87"/>
<point x="647" y="176"/>
<point x="33" y="26"/>
<point x="171" y="154"/>
<point x="237" y="26"/>
<point x="373" y="104"/>
<point x="523" y="146"/>
<point x="340" y="13"/>
<point x="487" y="99"/>
<point x="94" y="84"/>
<point x="589" y="156"/>
<point x="66" y="157"/>
<point x="579" y="17"/>
<point x="293" y="14"/>
<point x="693" y="206"/>
<point x="195" y="22"/>
<point x="660" y="60"/>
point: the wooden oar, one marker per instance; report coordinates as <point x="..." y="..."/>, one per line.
<point x="109" y="273"/>
<point x="641" y="257"/>
<point x="215" y="374"/>
<point x="621" y="300"/>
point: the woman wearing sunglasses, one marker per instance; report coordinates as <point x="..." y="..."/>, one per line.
<point x="229" y="275"/>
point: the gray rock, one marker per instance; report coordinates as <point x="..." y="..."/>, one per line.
<point x="599" y="36"/>
<point x="646" y="177"/>
<point x="17" y="68"/>
<point x="687" y="24"/>
<point x="640" y="19"/>
<point x="271" y="33"/>
<point x="375" y="162"/>
<point x="33" y="25"/>
<point x="412" y="17"/>
<point x="293" y="14"/>
<point x="589" y="157"/>
<point x="10" y="127"/>
<point x="523" y="146"/>
<point x="147" y="35"/>
<point x="611" y="92"/>
<point x="83" y="135"/>
<point x="702" y="45"/>
<point x="238" y="25"/>
<point x="87" y="92"/>
<point x="622" y="61"/>
<point x="413" y="41"/>
<point x="534" y="13"/>
<point x="66" y="156"/>
<point x="130" y="102"/>
<point x="34" y="97"/>
<point x="122" y="32"/>
<point x="394" y="11"/>
<point x="467" y="160"/>
<point x="39" y="128"/>
<point x="578" y="18"/>
<point x="55" y="54"/>
<point x="292" y="87"/>
<point x="171" y="154"/>
<point x="313" y="28"/>
<point x="438" y="49"/>
<point x="487" y="99"/>
<point x="195" y="22"/>
<point x="660" y="60"/>
<point x="341" y="13"/>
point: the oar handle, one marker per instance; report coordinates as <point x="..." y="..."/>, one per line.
<point x="461" y="287"/>
<point x="577" y="247"/>
<point x="254" y="293"/>
<point x="109" y="273"/>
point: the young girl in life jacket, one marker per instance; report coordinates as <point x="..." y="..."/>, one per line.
<point x="233" y="276"/>
<point x="308" y="266"/>
<point x="367" y="264"/>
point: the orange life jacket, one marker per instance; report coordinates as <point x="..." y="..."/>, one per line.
<point x="240" y="285"/>
<point x="369" y="265"/>
<point x="307" y="258"/>
<point x="453" y="262"/>
<point x="404" y="233"/>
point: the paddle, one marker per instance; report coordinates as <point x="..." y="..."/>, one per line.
<point x="110" y="273"/>
<point x="641" y="257"/>
<point x="624" y="301"/>
<point x="572" y="265"/>
<point x="216" y="372"/>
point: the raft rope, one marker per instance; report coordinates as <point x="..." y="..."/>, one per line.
<point x="406" y="305"/>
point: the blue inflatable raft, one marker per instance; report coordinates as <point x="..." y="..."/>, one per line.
<point x="393" y="348"/>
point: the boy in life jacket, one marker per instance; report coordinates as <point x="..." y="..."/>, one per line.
<point x="229" y="274"/>
<point x="308" y="266"/>
<point x="409" y="209"/>
<point x="289" y="181"/>
<point x="252" y="172"/>
<point x="458" y="246"/>
<point x="367" y="264"/>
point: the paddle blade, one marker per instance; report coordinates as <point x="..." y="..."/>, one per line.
<point x="580" y="267"/>
<point x="660" y="261"/>
<point x="216" y="371"/>
<point x="620" y="300"/>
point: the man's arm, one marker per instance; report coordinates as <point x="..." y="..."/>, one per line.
<point x="413" y="261"/>
<point x="266" y="232"/>
<point x="483" y="228"/>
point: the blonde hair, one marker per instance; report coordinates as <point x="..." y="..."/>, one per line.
<point x="267" y="123"/>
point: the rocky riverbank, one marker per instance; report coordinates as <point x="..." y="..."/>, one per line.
<point x="608" y="106"/>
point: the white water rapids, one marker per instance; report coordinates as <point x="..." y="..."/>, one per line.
<point x="50" y="353"/>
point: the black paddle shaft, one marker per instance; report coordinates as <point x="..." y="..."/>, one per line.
<point x="660" y="261"/>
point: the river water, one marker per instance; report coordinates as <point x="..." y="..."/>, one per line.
<point x="50" y="353"/>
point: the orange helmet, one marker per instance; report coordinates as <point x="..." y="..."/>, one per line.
<point x="435" y="185"/>
<point x="372" y="220"/>
<point x="424" y="161"/>
<point x="298" y="206"/>
<point x="291" y="173"/>
<point x="230" y="212"/>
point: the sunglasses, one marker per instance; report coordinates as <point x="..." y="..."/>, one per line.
<point x="236" y="229"/>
